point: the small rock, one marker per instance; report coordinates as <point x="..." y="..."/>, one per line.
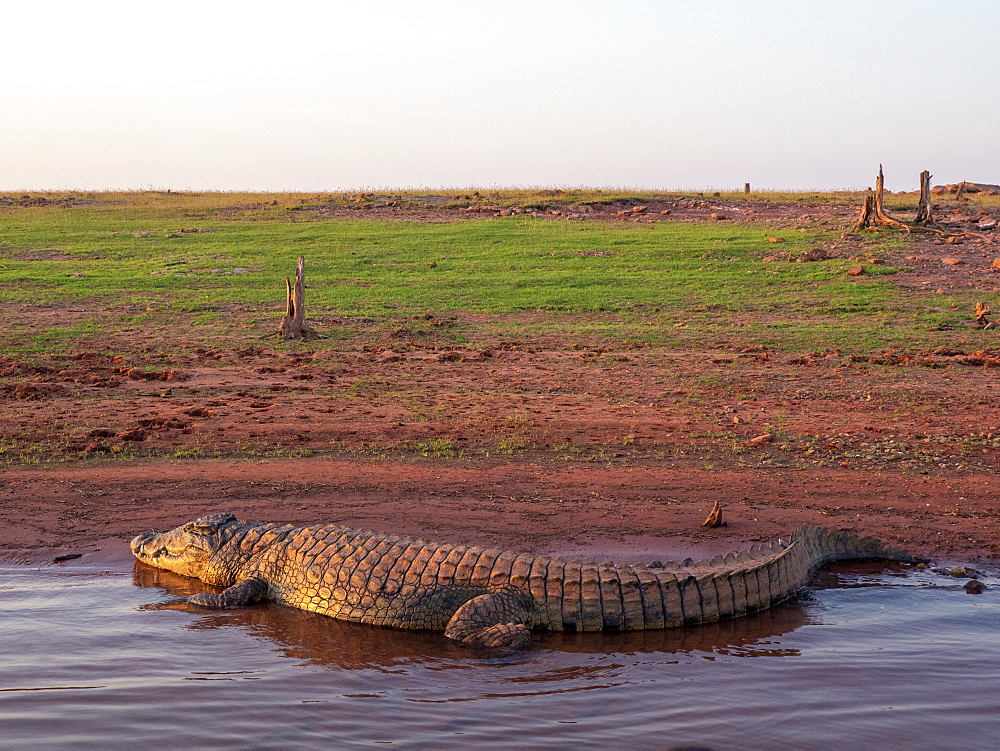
<point x="763" y="438"/>
<point x="638" y="209"/>
<point x="776" y="239"/>
<point x="851" y="236"/>
<point x="974" y="587"/>
<point x="951" y="261"/>
<point x="996" y="263"/>
<point x="771" y="258"/>
<point x="988" y="225"/>
<point x="921" y="566"/>
<point x="198" y="412"/>
<point x="718" y="217"/>
<point x="816" y="254"/>
<point x="959" y="571"/>
<point x="856" y="270"/>
<point x="664" y="212"/>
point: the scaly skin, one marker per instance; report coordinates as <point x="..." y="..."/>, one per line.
<point x="486" y="598"/>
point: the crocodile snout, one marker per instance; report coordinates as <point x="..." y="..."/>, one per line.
<point x="139" y="540"/>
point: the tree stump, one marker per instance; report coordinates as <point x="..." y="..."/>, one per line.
<point x="293" y="325"/>
<point x="924" y="207"/>
<point x="982" y="313"/>
<point x="873" y="210"/>
<point x="866" y="217"/>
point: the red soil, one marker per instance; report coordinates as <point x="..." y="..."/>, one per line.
<point x="533" y="445"/>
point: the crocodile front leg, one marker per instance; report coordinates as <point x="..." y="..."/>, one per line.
<point x="242" y="593"/>
<point x="496" y="619"/>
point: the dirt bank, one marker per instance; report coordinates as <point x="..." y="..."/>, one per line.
<point x="629" y="512"/>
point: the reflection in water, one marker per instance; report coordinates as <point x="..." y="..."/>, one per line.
<point x="97" y="660"/>
<point x="339" y="644"/>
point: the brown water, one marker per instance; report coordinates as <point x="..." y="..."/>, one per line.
<point x="870" y="658"/>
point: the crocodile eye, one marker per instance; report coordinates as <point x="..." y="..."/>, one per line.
<point x="208" y="525"/>
<point x="202" y="529"/>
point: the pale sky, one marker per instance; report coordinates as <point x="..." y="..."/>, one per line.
<point x="784" y="94"/>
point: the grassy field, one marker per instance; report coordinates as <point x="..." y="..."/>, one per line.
<point x="93" y="273"/>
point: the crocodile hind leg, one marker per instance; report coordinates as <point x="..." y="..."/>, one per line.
<point x="495" y="619"/>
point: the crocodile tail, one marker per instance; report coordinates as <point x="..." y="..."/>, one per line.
<point x="736" y="584"/>
<point x="829" y="545"/>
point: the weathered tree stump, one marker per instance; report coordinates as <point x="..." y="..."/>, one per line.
<point x="294" y="325"/>
<point x="866" y="217"/>
<point x="924" y="208"/>
<point x="873" y="210"/>
<point x="982" y="315"/>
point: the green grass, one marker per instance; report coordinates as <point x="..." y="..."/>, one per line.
<point x="669" y="283"/>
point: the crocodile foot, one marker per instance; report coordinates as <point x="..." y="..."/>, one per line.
<point x="242" y="593"/>
<point x="496" y="619"/>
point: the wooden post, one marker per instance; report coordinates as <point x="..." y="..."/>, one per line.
<point x="746" y="189"/>
<point x="924" y="207"/>
<point x="293" y="325"/>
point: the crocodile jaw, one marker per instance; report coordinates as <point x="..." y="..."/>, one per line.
<point x="172" y="552"/>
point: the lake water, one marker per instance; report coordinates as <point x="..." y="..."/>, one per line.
<point x="871" y="657"/>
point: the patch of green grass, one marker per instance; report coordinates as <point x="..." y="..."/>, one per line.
<point x="512" y="444"/>
<point x="664" y="284"/>
<point x="436" y="447"/>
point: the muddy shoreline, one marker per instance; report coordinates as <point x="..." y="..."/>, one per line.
<point x="625" y="513"/>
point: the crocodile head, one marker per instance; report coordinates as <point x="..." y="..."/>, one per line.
<point x="190" y="549"/>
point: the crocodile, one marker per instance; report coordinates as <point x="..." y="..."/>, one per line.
<point x="484" y="597"/>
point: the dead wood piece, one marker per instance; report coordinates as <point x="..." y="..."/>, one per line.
<point x="873" y="210"/>
<point x="715" y="517"/>
<point x="294" y="325"/>
<point x="924" y="207"/>
<point x="982" y="313"/>
<point x="866" y="217"/>
<point x="881" y="218"/>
